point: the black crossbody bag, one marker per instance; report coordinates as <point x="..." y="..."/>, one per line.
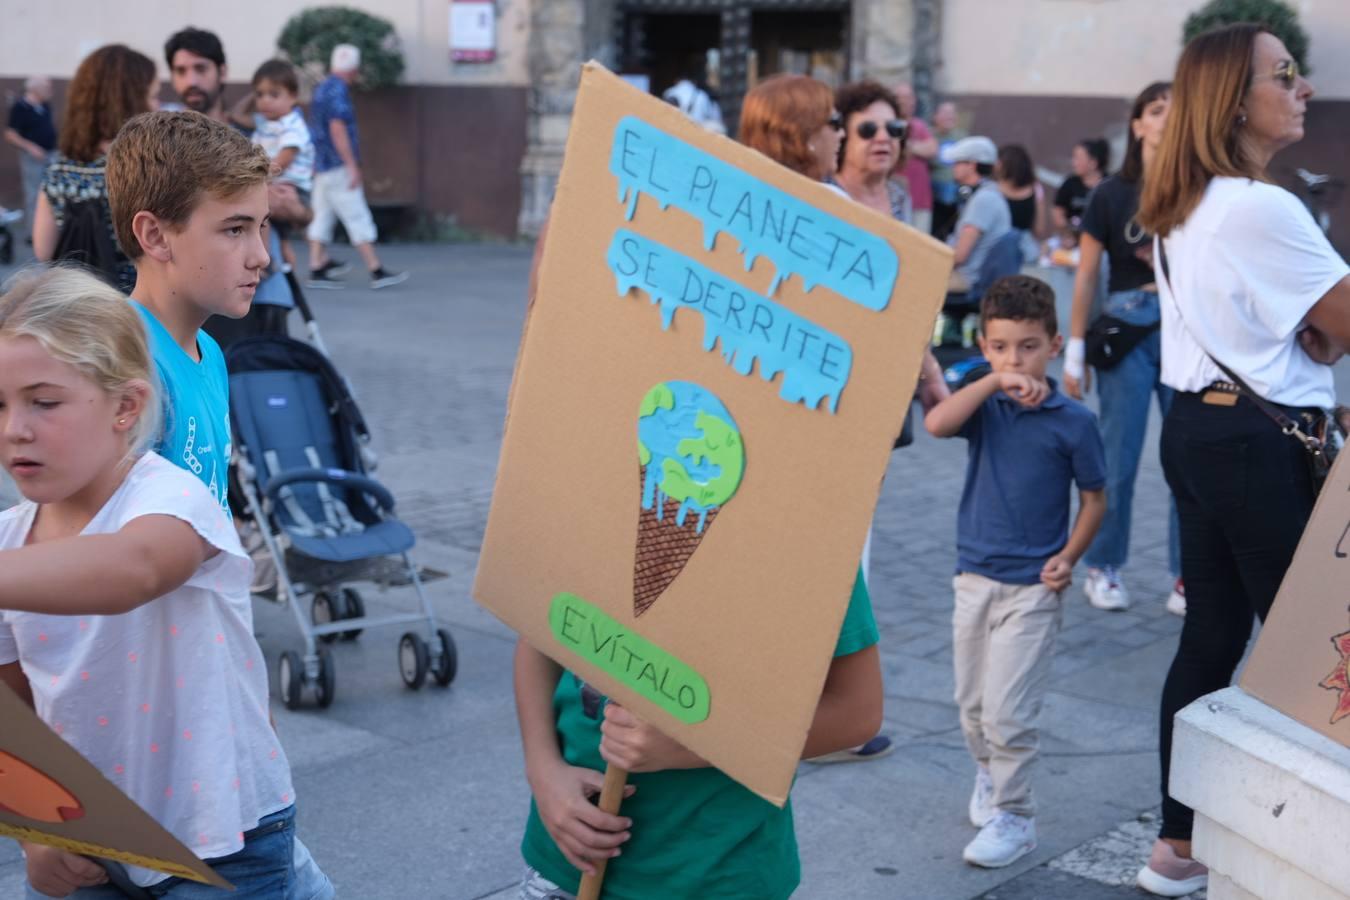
<point x="1316" y="430"/>
<point x="1109" y="340"/>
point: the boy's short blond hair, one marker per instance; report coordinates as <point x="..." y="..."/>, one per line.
<point x="163" y="162"/>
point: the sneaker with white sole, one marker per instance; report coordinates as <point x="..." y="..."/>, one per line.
<point x="383" y="278"/>
<point x="333" y="268"/>
<point x="982" y="807"/>
<point x="1105" y="590"/>
<point x="322" y="279"/>
<point x="1176" y="601"/>
<point x="1002" y="841"/>
<point x="1170" y="875"/>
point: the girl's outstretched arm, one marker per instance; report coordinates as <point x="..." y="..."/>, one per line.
<point x="102" y="574"/>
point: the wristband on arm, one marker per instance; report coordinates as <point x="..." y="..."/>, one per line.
<point x="1074" y="355"/>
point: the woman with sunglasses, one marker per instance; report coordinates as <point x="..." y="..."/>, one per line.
<point x="1251" y="292"/>
<point x="873" y="145"/>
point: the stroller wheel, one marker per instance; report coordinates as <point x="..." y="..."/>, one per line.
<point x="326" y="609"/>
<point x="447" y="659"/>
<point x="413" y="660"/>
<point x="353" y="607"/>
<point x="290" y="672"/>
<point x="326" y="684"/>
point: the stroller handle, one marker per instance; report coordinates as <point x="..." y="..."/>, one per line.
<point x="332" y="476"/>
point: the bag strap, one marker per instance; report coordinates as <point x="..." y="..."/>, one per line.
<point x="1288" y="425"/>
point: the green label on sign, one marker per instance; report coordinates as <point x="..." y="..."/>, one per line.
<point x="629" y="657"/>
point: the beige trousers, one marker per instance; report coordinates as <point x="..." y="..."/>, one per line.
<point x="1002" y="638"/>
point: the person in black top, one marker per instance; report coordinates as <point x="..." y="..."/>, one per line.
<point x="1016" y="177"/>
<point x="1127" y="387"/>
<point x="1089" y="161"/>
<point x="32" y="132"/>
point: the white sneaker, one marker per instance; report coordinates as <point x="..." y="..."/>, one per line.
<point x="1105" y="590"/>
<point x="1003" y="840"/>
<point x="982" y="798"/>
<point x="1176" y="601"/>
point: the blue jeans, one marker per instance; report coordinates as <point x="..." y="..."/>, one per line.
<point x="1125" y="392"/>
<point x="273" y="865"/>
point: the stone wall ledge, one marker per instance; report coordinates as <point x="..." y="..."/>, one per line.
<point x="1272" y="800"/>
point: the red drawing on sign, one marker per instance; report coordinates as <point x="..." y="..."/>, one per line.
<point x="26" y="791"/>
<point x="1339" y="679"/>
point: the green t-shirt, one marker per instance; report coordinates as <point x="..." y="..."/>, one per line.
<point x="696" y="833"/>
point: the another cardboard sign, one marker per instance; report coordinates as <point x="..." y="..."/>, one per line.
<point x="50" y="794"/>
<point x="1301" y="663"/>
<point x="720" y="355"/>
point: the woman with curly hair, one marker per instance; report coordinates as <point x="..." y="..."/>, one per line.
<point x="111" y="85"/>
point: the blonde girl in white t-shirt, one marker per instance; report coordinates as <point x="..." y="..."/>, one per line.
<point x="124" y="604"/>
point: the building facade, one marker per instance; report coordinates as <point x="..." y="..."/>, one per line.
<point x="480" y="143"/>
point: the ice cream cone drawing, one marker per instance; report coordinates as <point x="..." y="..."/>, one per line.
<point x="691" y="460"/>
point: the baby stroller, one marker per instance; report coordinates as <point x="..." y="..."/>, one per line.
<point x="298" y="439"/>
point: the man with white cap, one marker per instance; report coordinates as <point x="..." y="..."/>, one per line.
<point x="985" y="217"/>
<point x="338" y="194"/>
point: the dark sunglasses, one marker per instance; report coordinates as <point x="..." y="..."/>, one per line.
<point x="1286" y="73"/>
<point x="836" y="122"/>
<point x="868" y="129"/>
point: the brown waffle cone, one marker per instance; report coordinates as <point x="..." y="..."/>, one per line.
<point x="663" y="549"/>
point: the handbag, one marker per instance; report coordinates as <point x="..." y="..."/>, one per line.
<point x="1316" y="429"/>
<point x="1109" y="340"/>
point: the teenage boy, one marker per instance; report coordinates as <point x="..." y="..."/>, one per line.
<point x="1015" y="553"/>
<point x="189" y="205"/>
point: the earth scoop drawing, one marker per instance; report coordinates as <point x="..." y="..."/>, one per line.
<point x="691" y="459"/>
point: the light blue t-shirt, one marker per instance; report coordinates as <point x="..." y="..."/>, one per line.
<point x="196" y="406"/>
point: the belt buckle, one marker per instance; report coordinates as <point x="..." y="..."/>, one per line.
<point x="1215" y="397"/>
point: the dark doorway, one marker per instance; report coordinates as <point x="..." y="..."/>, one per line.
<point x="666" y="47"/>
<point x="799" y="43"/>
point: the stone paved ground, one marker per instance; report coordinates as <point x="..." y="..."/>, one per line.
<point x="407" y="795"/>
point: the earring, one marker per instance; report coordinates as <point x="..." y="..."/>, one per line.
<point x="1241" y="119"/>
<point x="810" y="148"/>
<point x="121" y="421"/>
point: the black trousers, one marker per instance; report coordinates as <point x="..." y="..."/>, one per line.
<point x="1244" y="496"/>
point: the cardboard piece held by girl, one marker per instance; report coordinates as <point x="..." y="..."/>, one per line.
<point x="51" y="795"/>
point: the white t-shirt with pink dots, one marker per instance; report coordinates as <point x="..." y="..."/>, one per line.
<point x="169" y="701"/>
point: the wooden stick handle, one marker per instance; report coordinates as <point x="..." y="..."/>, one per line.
<point x="611" y="795"/>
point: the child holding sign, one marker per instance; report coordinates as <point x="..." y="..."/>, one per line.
<point x="124" y="605"/>
<point x="1028" y="444"/>
<point x="684" y="826"/>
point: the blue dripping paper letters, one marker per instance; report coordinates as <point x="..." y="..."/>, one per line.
<point x="815" y="363"/>
<point x="797" y="237"/>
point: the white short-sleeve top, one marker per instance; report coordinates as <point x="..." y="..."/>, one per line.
<point x="1246" y="266"/>
<point x="168" y="701"/>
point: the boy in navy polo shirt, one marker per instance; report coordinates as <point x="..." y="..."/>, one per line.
<point x="1028" y="444"/>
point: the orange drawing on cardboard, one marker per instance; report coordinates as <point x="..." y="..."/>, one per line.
<point x="26" y="791"/>
<point x="1339" y="679"/>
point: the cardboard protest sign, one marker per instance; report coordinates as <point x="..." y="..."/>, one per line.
<point x="50" y="794"/>
<point x="1301" y="663"/>
<point x="720" y="355"/>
